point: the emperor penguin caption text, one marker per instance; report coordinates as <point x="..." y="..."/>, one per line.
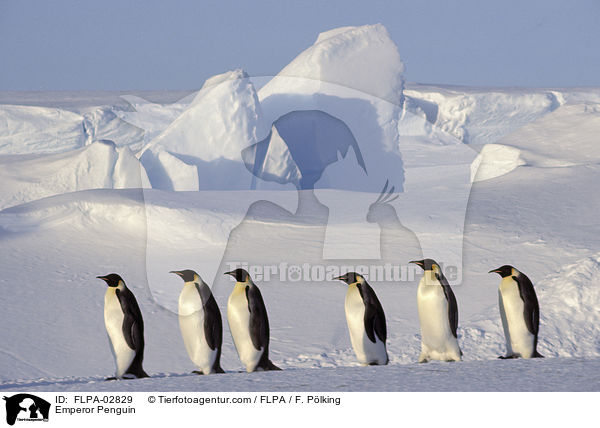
<point x="129" y="404"/>
<point x="94" y="404"/>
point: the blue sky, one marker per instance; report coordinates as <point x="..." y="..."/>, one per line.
<point x="111" y="45"/>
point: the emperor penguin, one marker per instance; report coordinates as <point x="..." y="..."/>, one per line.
<point x="249" y="324"/>
<point x="366" y="321"/>
<point x="520" y="313"/>
<point x="125" y="328"/>
<point x="438" y="315"/>
<point x="200" y="323"/>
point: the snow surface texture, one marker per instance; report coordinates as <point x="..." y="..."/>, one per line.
<point x="209" y="135"/>
<point x="142" y="184"/>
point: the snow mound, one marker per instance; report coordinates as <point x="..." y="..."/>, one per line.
<point x="121" y="211"/>
<point x="563" y="138"/>
<point x="482" y="116"/>
<point x="168" y="172"/>
<point x="223" y="119"/>
<point x="566" y="137"/>
<point x="32" y="129"/>
<point x="99" y="165"/>
<point x="569" y="317"/>
<point x="103" y="123"/>
<point x="361" y="58"/>
<point x="153" y="118"/>
<point x="415" y="122"/>
<point x="28" y="129"/>
<point x="495" y="160"/>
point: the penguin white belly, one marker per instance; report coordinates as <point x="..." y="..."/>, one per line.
<point x="366" y="351"/>
<point x="437" y="340"/>
<point x="191" y="324"/>
<point x="113" y="320"/>
<point x="519" y="340"/>
<point x="238" y="317"/>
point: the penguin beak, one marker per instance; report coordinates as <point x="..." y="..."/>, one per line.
<point x="229" y="273"/>
<point x="176" y="272"/>
<point x="101" y="277"/>
<point x="494" y="271"/>
<point x="418" y="263"/>
<point x="341" y="278"/>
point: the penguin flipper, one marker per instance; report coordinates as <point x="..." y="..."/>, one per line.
<point x="379" y="323"/>
<point x="375" y="323"/>
<point x="133" y="325"/>
<point x="133" y="332"/>
<point x="531" y="310"/>
<point x="213" y="332"/>
<point x="452" y="305"/>
<point x="259" y="323"/>
<point x="374" y="318"/>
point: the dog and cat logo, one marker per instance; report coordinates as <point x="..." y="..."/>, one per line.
<point x="26" y="407"/>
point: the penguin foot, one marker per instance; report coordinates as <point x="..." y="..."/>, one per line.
<point x="198" y="372"/>
<point x="111" y="379"/>
<point x="538" y="355"/>
<point x="507" y="357"/>
<point x="219" y="370"/>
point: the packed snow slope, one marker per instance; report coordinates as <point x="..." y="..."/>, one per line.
<point x="555" y="374"/>
<point x="282" y="174"/>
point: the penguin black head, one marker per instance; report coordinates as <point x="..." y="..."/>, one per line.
<point x="111" y="279"/>
<point x="427" y="264"/>
<point x="239" y="274"/>
<point x="187" y="275"/>
<point x="350" y="278"/>
<point x="504" y="271"/>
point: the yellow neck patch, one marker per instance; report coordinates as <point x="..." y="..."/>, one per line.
<point x="239" y="288"/>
